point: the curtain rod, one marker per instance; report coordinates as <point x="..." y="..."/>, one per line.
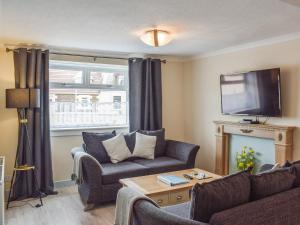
<point x="82" y="55"/>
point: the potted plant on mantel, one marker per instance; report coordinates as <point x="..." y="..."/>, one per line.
<point x="245" y="159"/>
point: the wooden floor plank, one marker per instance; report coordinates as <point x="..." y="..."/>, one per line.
<point x="62" y="209"/>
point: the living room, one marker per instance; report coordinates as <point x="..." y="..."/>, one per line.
<point x="155" y="67"/>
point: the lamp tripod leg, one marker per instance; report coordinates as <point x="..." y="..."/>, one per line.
<point x="39" y="191"/>
<point x="20" y="115"/>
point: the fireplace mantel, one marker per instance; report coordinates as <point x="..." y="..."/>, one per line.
<point x="282" y="136"/>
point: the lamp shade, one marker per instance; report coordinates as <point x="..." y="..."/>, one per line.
<point x="23" y="98"/>
<point x="156" y="37"/>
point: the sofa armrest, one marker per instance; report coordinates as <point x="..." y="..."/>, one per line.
<point x="91" y="168"/>
<point x="182" y="151"/>
<point x="75" y="150"/>
<point x="92" y="172"/>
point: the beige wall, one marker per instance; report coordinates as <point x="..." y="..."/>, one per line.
<point x="172" y="79"/>
<point x="8" y="117"/>
<point x="202" y="92"/>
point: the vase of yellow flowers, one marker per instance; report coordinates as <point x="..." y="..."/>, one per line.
<point x="245" y="159"/>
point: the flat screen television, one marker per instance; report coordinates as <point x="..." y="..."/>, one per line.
<point x="254" y="93"/>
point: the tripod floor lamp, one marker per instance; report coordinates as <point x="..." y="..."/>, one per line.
<point x="22" y="99"/>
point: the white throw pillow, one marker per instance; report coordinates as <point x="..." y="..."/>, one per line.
<point x="144" y="146"/>
<point x="117" y="149"/>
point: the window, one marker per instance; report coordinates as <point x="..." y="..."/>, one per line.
<point x="86" y="95"/>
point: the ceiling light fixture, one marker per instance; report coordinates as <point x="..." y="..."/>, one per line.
<point x="156" y="37"/>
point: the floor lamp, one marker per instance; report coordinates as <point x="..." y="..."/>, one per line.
<point x="21" y="99"/>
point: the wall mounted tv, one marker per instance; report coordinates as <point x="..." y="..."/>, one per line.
<point x="254" y="93"/>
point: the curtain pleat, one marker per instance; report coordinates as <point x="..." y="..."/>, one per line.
<point x="145" y="94"/>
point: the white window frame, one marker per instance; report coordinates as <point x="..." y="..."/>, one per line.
<point x="86" y="68"/>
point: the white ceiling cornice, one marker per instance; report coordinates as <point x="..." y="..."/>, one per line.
<point x="250" y="45"/>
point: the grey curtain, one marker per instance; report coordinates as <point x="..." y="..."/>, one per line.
<point x="32" y="71"/>
<point x="145" y="94"/>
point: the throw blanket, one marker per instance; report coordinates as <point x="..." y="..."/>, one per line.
<point x="124" y="205"/>
<point x="77" y="166"/>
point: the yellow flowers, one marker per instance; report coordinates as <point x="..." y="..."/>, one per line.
<point x="245" y="159"/>
<point x="241" y="165"/>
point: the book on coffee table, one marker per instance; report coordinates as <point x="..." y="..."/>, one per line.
<point x="172" y="179"/>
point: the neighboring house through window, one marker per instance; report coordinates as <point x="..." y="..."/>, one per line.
<point x="87" y="95"/>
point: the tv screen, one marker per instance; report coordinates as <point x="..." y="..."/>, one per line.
<point x="255" y="93"/>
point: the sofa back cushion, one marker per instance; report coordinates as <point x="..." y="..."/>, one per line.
<point x="130" y="140"/>
<point x="279" y="209"/>
<point x="295" y="167"/>
<point x="296" y="171"/>
<point x="269" y="183"/>
<point x="218" y="195"/>
<point x="160" y="147"/>
<point x="93" y="145"/>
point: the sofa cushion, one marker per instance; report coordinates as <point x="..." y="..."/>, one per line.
<point x="182" y="210"/>
<point x="269" y="183"/>
<point x="117" y="149"/>
<point x="112" y="173"/>
<point x="160" y="147"/>
<point x="278" y="209"/>
<point x="218" y="195"/>
<point x="94" y="146"/>
<point x="130" y="140"/>
<point x="296" y="171"/>
<point x="144" y="146"/>
<point x="161" y="164"/>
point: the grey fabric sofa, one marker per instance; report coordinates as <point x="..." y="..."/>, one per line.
<point x="279" y="209"/>
<point x="274" y="199"/>
<point x="101" y="184"/>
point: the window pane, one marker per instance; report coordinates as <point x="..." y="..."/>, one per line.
<point x="107" y="78"/>
<point x="66" y="76"/>
<point x="71" y="108"/>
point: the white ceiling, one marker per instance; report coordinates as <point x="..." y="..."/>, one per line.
<point x="198" y="26"/>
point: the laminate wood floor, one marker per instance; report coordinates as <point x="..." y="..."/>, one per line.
<point x="62" y="209"/>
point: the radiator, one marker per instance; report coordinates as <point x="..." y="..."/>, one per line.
<point x="2" y="190"/>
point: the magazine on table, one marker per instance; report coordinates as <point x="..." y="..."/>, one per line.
<point x="172" y="179"/>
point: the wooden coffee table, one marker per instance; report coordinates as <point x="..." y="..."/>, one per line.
<point x="164" y="194"/>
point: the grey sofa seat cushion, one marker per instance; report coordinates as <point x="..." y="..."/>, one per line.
<point x="182" y="210"/>
<point x="161" y="164"/>
<point x="280" y="209"/>
<point x="112" y="173"/>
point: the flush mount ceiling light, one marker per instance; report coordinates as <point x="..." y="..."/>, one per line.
<point x="156" y="37"/>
